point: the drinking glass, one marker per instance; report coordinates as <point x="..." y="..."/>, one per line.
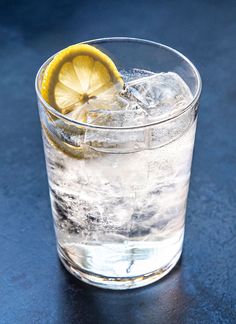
<point x="119" y="192"/>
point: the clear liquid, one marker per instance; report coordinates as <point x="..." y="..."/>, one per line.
<point x="121" y="215"/>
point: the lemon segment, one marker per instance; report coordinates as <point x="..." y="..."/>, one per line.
<point x="77" y="75"/>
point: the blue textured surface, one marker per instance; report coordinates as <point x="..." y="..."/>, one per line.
<point x="34" y="287"/>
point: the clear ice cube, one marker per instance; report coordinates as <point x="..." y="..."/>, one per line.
<point x="159" y="94"/>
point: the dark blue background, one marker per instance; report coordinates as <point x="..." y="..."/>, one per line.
<point x="34" y="287"/>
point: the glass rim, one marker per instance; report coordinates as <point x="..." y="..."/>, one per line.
<point x="118" y="39"/>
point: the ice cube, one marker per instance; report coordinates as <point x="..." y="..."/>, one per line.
<point x="99" y="111"/>
<point x="115" y="140"/>
<point x="159" y="94"/>
<point x="121" y="118"/>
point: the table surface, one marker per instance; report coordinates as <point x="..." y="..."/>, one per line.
<point x="34" y="287"/>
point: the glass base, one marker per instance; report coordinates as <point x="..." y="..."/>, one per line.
<point x="117" y="283"/>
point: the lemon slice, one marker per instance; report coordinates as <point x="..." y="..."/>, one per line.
<point x="77" y="75"/>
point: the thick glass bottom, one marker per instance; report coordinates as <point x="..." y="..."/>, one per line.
<point x="116" y="283"/>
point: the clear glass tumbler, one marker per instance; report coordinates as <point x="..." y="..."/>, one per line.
<point x="119" y="194"/>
